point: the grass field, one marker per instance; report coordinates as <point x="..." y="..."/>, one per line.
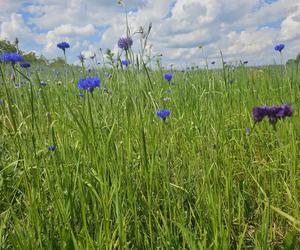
<point x="118" y="177"/>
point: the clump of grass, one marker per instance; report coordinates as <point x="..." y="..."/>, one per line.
<point x="131" y="180"/>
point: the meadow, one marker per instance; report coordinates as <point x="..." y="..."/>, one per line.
<point x="100" y="169"/>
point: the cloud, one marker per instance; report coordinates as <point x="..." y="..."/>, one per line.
<point x="246" y="29"/>
<point x="15" y="27"/>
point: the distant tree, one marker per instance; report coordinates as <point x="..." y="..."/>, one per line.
<point x="30" y="57"/>
<point x="291" y="62"/>
<point x="297" y="61"/>
<point x="57" y="62"/>
<point x="6" y="46"/>
<point x="42" y="59"/>
<point x="294" y="62"/>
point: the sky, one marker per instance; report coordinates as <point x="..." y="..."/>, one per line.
<point x="241" y="29"/>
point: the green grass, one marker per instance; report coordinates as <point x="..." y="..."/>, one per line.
<point x="121" y="178"/>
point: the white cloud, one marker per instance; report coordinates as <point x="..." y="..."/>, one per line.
<point x="241" y="28"/>
<point x="15" y="27"/>
<point x="290" y="27"/>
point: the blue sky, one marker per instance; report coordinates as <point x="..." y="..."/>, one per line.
<point x="242" y="29"/>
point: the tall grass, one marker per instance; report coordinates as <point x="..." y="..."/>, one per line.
<point x="120" y="178"/>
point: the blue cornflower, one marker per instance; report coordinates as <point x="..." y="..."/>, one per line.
<point x="11" y="57"/>
<point x="248" y="131"/>
<point x="279" y="47"/>
<point x="89" y="83"/>
<point x="168" y="76"/>
<point x="51" y="148"/>
<point x="81" y="94"/>
<point x="63" y="45"/>
<point x="25" y="65"/>
<point x="163" y="113"/>
<point x="125" y="43"/>
<point x="125" y="62"/>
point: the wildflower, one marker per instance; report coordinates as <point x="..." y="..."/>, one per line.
<point x="247" y="131"/>
<point x="168" y="91"/>
<point x="63" y="45"/>
<point x="11" y="57"/>
<point x="25" y="65"/>
<point x="279" y="112"/>
<point x="42" y="83"/>
<point x="125" y="62"/>
<point x="163" y="113"/>
<point x="81" y="94"/>
<point x="125" y="43"/>
<point x="89" y="83"/>
<point x="81" y="58"/>
<point x="274" y="113"/>
<point x="279" y="47"/>
<point x="168" y="76"/>
<point x="167" y="99"/>
<point x="259" y="113"/>
<point x="51" y="148"/>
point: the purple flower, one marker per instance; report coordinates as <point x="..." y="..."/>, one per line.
<point x="51" y="148"/>
<point x="25" y="65"/>
<point x="279" y="47"/>
<point x="247" y="131"/>
<point x="259" y="113"/>
<point x="125" y="62"/>
<point x="274" y="113"/>
<point x="168" y="76"/>
<point x="89" y="83"/>
<point x="163" y="113"/>
<point x="125" y="43"/>
<point x="63" y="45"/>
